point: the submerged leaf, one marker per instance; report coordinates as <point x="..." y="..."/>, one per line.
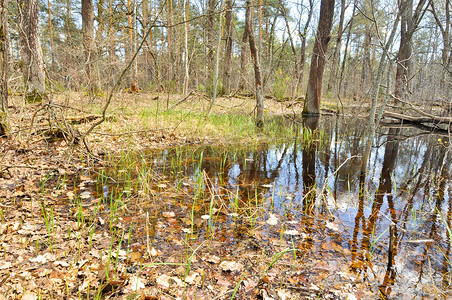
<point x="332" y="226"/>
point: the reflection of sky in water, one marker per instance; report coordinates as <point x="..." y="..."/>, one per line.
<point x="413" y="190"/>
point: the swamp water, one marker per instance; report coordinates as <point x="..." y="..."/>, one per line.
<point x="250" y="204"/>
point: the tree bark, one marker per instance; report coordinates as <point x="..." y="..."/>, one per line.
<point x="337" y="50"/>
<point x="366" y="62"/>
<point x="4" y="47"/>
<point x="314" y="91"/>
<point x="347" y="42"/>
<point x="88" y="46"/>
<point x="243" y="58"/>
<point x="131" y="12"/>
<point x="228" y="51"/>
<point x="303" y="43"/>
<point x="186" y="58"/>
<point x="257" y="71"/>
<point x="210" y="41"/>
<point x="445" y="32"/>
<point x="408" y="24"/>
<point x="32" y="61"/>
<point x="52" y="48"/>
<point x="294" y="51"/>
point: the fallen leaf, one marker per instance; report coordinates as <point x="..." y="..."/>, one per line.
<point x="169" y="214"/>
<point x="70" y="195"/>
<point x="85" y="195"/>
<point x="212" y="259"/>
<point x="191" y="279"/>
<point x="5" y="265"/>
<point x="163" y="281"/>
<point x="154" y="252"/>
<point x="61" y="263"/>
<point x="29" y="296"/>
<point x="120" y="254"/>
<point x="272" y="219"/>
<point x="291" y="232"/>
<point x="136" y="283"/>
<point x="42" y="259"/>
<point x="332" y="226"/>
<point x="230" y="266"/>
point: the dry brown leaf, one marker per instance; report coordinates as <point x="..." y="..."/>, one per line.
<point x="5" y="265"/>
<point x="29" y="296"/>
<point x="230" y="266"/>
<point x="168" y="214"/>
<point x="212" y="259"/>
<point x="136" y="283"/>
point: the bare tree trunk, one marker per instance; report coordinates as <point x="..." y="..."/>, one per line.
<point x="131" y="44"/>
<point x="303" y="43"/>
<point x="148" y="45"/>
<point x="210" y="42"/>
<point x="445" y="32"/>
<point x="52" y="51"/>
<point x="187" y="64"/>
<point x="337" y="50"/>
<point x="243" y="56"/>
<point x="169" y="20"/>
<point x="4" y="48"/>
<point x="111" y="40"/>
<point x="228" y="51"/>
<point x="257" y="71"/>
<point x="32" y="61"/>
<point x="88" y="45"/>
<point x="314" y="91"/>
<point x="294" y="51"/>
<point x="408" y="23"/>
<point x="376" y="88"/>
<point x="366" y="61"/>
<point x="347" y="42"/>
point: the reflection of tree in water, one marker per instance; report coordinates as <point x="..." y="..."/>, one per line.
<point x="368" y="228"/>
<point x="413" y="173"/>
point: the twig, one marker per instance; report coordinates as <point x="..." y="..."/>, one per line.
<point x="334" y="173"/>
<point x="17" y="166"/>
<point x="180" y="101"/>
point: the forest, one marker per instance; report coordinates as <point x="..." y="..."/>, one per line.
<point x="222" y="149"/>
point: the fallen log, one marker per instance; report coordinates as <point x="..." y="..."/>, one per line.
<point x="85" y="119"/>
<point x="419" y="119"/>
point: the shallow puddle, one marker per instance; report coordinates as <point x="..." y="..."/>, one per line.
<point x="308" y="194"/>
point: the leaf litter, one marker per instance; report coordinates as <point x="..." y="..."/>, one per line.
<point x="61" y="238"/>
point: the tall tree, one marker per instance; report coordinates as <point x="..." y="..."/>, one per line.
<point x="303" y="36"/>
<point x="337" y="50"/>
<point x="257" y="69"/>
<point x="211" y="36"/>
<point x="186" y="58"/>
<point x="88" y="46"/>
<point x="32" y="60"/>
<point x="4" y="122"/>
<point x="228" y="51"/>
<point x="131" y="43"/>
<point x="445" y="28"/>
<point x="409" y="22"/>
<point x="243" y="57"/>
<point x="314" y="91"/>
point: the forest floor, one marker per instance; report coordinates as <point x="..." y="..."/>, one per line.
<point x="60" y="241"/>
